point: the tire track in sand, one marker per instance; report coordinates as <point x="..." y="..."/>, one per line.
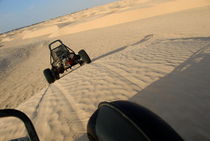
<point x="56" y="118"/>
<point x="34" y="114"/>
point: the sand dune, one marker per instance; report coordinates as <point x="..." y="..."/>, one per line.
<point x="132" y="15"/>
<point x="157" y="59"/>
<point x="40" y="32"/>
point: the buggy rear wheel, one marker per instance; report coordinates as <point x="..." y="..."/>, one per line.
<point x="49" y="76"/>
<point x="85" y="58"/>
<point x="55" y="74"/>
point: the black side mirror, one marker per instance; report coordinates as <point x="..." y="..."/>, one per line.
<point x="32" y="135"/>
<point x="124" y="121"/>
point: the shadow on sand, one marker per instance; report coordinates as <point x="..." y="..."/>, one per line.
<point x="66" y="73"/>
<point x="146" y="38"/>
<point x="82" y="138"/>
<point x="182" y="97"/>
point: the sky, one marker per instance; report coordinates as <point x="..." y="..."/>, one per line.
<point x="19" y="13"/>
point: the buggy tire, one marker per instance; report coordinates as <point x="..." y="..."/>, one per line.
<point x="85" y="58"/>
<point x="55" y="74"/>
<point x="49" y="76"/>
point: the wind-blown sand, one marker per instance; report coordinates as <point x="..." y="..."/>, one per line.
<point x="154" y="53"/>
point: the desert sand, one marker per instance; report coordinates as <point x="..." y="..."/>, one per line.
<point x="152" y="52"/>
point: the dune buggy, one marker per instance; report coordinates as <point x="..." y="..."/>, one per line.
<point x="63" y="58"/>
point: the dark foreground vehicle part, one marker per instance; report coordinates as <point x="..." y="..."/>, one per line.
<point x="126" y="121"/>
<point x="114" y="121"/>
<point x="27" y="122"/>
<point x="63" y="58"/>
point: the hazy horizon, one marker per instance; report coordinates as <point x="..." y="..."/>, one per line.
<point x="15" y="14"/>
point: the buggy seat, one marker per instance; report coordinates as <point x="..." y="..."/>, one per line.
<point x="60" y="52"/>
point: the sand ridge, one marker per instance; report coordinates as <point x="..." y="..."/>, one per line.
<point x="132" y="15"/>
<point x="108" y="15"/>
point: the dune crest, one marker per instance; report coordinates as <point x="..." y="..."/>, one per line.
<point x="132" y="15"/>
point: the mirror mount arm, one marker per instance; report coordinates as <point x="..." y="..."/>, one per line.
<point x="23" y="117"/>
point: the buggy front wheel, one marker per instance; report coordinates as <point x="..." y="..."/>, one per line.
<point x="85" y="58"/>
<point x="49" y="76"/>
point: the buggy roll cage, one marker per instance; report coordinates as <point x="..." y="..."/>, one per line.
<point x="61" y="44"/>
